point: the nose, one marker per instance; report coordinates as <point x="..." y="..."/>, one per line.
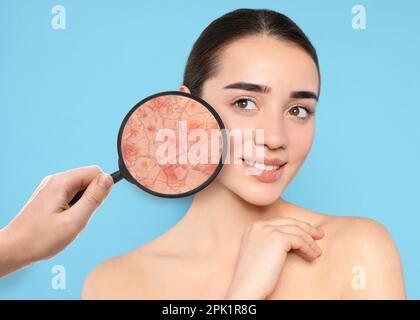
<point x="274" y="131"/>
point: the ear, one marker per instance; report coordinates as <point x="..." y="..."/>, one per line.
<point x="184" y="89"/>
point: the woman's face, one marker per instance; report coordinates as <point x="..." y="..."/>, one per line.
<point x="291" y="77"/>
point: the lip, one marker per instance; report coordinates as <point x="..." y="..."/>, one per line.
<point x="266" y="176"/>
<point x="268" y="161"/>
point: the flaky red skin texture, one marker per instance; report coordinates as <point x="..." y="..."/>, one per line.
<point x="140" y="147"/>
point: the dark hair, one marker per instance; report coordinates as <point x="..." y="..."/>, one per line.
<point x="203" y="58"/>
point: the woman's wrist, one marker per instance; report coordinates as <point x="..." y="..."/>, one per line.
<point x="12" y="256"/>
<point x="241" y="294"/>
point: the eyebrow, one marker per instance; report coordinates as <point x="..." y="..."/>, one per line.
<point x="301" y="94"/>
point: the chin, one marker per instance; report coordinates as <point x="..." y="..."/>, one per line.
<point x="260" y="201"/>
<point x="259" y="195"/>
<point x="249" y="189"/>
<point x="256" y="193"/>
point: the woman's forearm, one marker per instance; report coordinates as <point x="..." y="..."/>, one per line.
<point x="11" y="258"/>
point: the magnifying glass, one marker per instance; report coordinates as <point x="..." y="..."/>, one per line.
<point x="171" y="144"/>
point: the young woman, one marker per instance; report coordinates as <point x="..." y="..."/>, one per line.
<point x="240" y="239"/>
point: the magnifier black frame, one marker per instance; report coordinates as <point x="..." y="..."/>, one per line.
<point x="126" y="174"/>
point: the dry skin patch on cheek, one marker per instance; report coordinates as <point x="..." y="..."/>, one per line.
<point x="139" y="144"/>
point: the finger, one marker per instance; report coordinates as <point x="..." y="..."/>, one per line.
<point x="297" y="230"/>
<point x="316" y="233"/>
<point x="305" y="250"/>
<point x="91" y="199"/>
<point x="313" y="231"/>
<point x="72" y="181"/>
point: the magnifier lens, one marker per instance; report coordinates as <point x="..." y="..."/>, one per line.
<point x="171" y="144"/>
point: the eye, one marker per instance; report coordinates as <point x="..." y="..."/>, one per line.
<point x="245" y="104"/>
<point x="300" y="112"/>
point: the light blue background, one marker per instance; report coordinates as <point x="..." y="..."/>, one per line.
<point x="63" y="95"/>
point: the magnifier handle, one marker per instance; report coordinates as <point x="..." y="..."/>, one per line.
<point x="116" y="176"/>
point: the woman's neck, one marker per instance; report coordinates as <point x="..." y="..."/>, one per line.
<point x="217" y="219"/>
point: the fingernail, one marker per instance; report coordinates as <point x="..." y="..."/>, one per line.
<point x="105" y="180"/>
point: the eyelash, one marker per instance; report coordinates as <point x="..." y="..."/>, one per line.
<point x="310" y="112"/>
<point x="241" y="99"/>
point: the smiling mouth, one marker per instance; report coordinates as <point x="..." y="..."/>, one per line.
<point x="268" y="171"/>
<point x="261" y="166"/>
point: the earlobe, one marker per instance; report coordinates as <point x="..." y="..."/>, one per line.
<point x="184" y="89"/>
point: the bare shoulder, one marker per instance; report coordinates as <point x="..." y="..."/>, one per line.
<point x="347" y="229"/>
<point x="147" y="272"/>
<point x="366" y="247"/>
<point x="127" y="276"/>
<point x="362" y="254"/>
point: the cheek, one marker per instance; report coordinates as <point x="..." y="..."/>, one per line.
<point x="235" y="124"/>
<point x="225" y="114"/>
<point x="300" y="138"/>
<point x="230" y="118"/>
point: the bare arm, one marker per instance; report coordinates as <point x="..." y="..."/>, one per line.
<point x="372" y="265"/>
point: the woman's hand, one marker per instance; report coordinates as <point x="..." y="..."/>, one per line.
<point x="263" y="251"/>
<point x="47" y="224"/>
